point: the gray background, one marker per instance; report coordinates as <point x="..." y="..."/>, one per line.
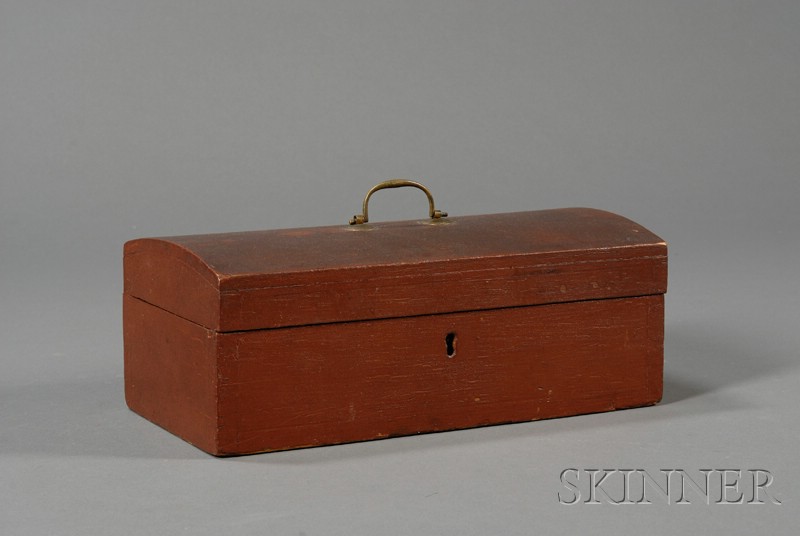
<point x="128" y="119"/>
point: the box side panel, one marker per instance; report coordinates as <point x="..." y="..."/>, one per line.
<point x="336" y="383"/>
<point x="170" y="372"/>
<point x="172" y="278"/>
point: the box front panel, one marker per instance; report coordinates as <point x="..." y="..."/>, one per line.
<point x="335" y="383"/>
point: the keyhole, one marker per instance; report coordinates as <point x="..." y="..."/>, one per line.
<point x="450" y="342"/>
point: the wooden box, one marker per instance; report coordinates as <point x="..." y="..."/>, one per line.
<point x="269" y="340"/>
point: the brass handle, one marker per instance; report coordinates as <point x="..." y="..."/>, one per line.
<point x="396" y="183"/>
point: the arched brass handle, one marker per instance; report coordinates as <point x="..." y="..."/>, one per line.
<point x="396" y="183"/>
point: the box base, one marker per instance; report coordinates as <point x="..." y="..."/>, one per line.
<point x="265" y="390"/>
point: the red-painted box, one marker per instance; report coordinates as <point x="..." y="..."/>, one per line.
<point x="269" y="340"/>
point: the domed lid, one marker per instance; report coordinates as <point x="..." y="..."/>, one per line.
<point x="269" y="279"/>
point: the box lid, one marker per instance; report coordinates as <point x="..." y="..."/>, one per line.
<point x="269" y="279"/>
